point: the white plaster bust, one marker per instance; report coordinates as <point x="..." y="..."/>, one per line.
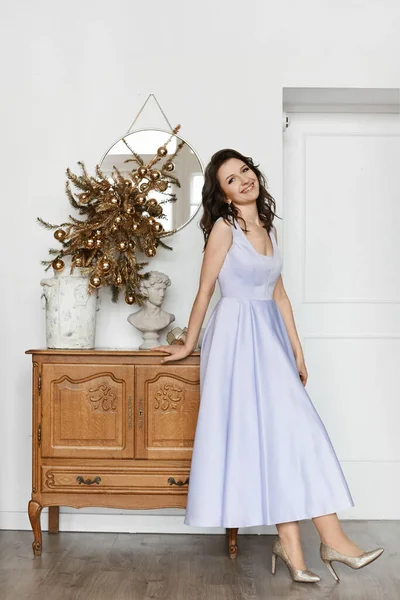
<point x="150" y="319"/>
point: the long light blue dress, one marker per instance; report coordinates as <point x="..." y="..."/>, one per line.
<point x="261" y="452"/>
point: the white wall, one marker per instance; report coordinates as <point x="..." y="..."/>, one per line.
<point x="74" y="77"/>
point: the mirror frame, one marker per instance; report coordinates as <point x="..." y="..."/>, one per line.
<point x="168" y="134"/>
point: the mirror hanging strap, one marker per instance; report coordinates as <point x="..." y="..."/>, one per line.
<point x="163" y="113"/>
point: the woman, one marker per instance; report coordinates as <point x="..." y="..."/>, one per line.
<point x="261" y="453"/>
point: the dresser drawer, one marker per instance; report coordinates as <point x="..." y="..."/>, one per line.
<point x="121" y="481"/>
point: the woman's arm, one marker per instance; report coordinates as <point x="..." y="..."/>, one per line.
<point x="285" y="308"/>
<point x="219" y="242"/>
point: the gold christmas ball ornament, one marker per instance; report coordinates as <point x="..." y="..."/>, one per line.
<point x="106" y="265"/>
<point x="130" y="299"/>
<point x="60" y="235"/>
<point x="89" y="243"/>
<point x="162" y="185"/>
<point x="151" y="202"/>
<point x="156" y="211"/>
<point x="77" y="260"/>
<point x="150" y="251"/>
<point x="142" y="171"/>
<point x="98" y="243"/>
<point x="128" y="183"/>
<point x="58" y="264"/>
<point x="119" y="279"/>
<point x="144" y="187"/>
<point x="95" y="281"/>
<point x="122" y="246"/>
<point x="169" y="166"/>
<point x="98" y="232"/>
<point x="162" y="151"/>
<point x="114" y="200"/>
<point x="140" y="199"/>
<point x="157" y="227"/>
<point x="129" y="210"/>
<point x="155" y="175"/>
<point x="83" y="198"/>
<point x="135" y="226"/>
<point x="118" y="219"/>
<point x="114" y="228"/>
<point x="151" y="221"/>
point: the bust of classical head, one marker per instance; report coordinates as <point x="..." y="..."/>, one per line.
<point x="150" y="318"/>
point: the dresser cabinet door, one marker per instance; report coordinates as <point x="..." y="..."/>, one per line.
<point x="166" y="409"/>
<point x="87" y="411"/>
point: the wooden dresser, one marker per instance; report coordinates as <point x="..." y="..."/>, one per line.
<point x="112" y="428"/>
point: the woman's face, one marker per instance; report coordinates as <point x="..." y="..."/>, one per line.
<point x="238" y="182"/>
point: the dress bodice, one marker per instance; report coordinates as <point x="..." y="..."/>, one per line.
<point x="246" y="274"/>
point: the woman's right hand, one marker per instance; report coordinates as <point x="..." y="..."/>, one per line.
<point x="176" y="352"/>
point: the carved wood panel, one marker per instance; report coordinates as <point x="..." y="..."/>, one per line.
<point x="87" y="411"/>
<point x="166" y="405"/>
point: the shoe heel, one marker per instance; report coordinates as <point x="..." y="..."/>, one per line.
<point x="273" y="569"/>
<point x="330" y="568"/>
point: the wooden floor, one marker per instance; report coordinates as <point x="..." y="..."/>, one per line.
<point x="107" y="566"/>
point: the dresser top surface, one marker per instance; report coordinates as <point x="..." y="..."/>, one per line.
<point x="102" y="352"/>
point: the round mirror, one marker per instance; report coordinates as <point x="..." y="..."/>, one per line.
<point x="181" y="198"/>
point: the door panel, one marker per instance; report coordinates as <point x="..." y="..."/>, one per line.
<point x="341" y="252"/>
<point x="87" y="411"/>
<point x="167" y="404"/>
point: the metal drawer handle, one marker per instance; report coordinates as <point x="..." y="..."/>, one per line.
<point x="172" y="481"/>
<point x="88" y="481"/>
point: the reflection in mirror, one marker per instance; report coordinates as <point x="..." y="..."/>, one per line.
<point x="188" y="171"/>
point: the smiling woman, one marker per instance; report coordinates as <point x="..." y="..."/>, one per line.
<point x="260" y="444"/>
<point x="235" y="175"/>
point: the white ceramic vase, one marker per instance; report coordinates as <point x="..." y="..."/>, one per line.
<point x="70" y="310"/>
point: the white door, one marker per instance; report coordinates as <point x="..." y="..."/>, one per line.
<point x="340" y="238"/>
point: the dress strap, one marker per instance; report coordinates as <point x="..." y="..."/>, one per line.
<point x="236" y="233"/>
<point x="232" y="226"/>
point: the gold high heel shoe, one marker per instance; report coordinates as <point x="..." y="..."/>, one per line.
<point x="329" y="554"/>
<point x="296" y="574"/>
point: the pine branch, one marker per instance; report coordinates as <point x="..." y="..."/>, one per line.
<point x="178" y="149"/>
<point x="120" y="178"/>
<point x="45" y="224"/>
<point x="171" y="178"/>
<point x="70" y="195"/>
<point x="81" y="182"/>
<point x="76" y="221"/>
<point x="138" y="158"/>
<point x="100" y="173"/>
<point x="82" y="165"/>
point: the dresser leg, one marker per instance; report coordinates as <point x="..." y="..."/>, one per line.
<point x="54" y="513"/>
<point x="232" y="541"/>
<point x="34" y="510"/>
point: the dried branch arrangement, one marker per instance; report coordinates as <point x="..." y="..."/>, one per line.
<point x="120" y="219"/>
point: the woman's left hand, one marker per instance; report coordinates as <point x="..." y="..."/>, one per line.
<point x="301" y="367"/>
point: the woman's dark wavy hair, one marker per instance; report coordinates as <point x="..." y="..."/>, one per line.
<point x="213" y="198"/>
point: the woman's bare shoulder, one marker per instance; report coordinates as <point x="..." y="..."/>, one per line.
<point x="221" y="230"/>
